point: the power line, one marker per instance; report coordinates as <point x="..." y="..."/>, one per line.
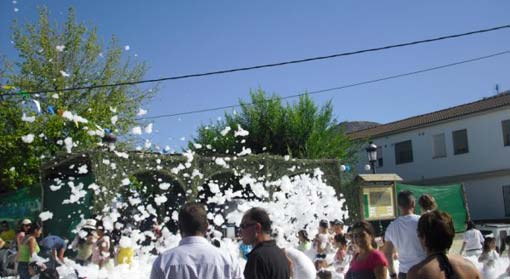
<point x="267" y="65"/>
<point x="339" y="87"/>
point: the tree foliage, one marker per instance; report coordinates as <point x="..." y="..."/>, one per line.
<point x="302" y="130"/>
<point x="52" y="57"/>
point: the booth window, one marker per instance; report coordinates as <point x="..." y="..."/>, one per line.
<point x="403" y="152"/>
<point x="460" y="142"/>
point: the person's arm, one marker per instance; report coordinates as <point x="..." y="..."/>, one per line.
<point x="2" y="243"/>
<point x="389" y="249"/>
<point x="381" y="272"/>
<point x="462" y="248"/>
<point x="31" y="246"/>
<point x="156" y="272"/>
<point x="61" y="254"/>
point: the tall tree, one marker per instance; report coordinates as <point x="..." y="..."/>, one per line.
<point x="53" y="57"/>
<point x="302" y="130"/>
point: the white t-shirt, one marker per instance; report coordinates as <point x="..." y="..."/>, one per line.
<point x="302" y="266"/>
<point x="473" y="239"/>
<point x="402" y="233"/>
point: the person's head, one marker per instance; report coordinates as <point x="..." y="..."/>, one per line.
<point x="5" y="226"/>
<point x="340" y="241"/>
<point x="25" y="225"/>
<point x="436" y="231"/>
<point x="193" y="220"/>
<point x="320" y="264"/>
<point x="255" y="226"/>
<point x="303" y="236"/>
<point x="324" y="274"/>
<point x="470" y="225"/>
<point x="49" y="273"/>
<point x="406" y="201"/>
<point x="363" y="235"/>
<point x="337" y="226"/>
<point x="427" y="202"/>
<point x="323" y="226"/>
<point x="35" y="230"/>
<point x="489" y="244"/>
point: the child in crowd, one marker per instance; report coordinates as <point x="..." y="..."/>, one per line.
<point x="489" y="257"/>
<point x="304" y="241"/>
<point x="321" y="241"/>
<point x="342" y="259"/>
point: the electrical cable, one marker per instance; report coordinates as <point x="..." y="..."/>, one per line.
<point x="264" y="65"/>
<point x="337" y="88"/>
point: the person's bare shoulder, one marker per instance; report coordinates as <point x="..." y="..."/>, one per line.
<point x="463" y="267"/>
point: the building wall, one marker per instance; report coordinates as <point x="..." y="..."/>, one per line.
<point x="485" y="197"/>
<point x="487" y="153"/>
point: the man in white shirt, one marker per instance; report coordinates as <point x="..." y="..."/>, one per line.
<point x="195" y="257"/>
<point x="473" y="240"/>
<point x="401" y="237"/>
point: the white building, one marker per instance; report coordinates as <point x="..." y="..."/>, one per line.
<point x="468" y="144"/>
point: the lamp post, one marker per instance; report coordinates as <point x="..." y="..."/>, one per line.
<point x="372" y="155"/>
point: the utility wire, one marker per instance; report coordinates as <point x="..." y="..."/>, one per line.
<point x="339" y="87"/>
<point x="267" y="65"/>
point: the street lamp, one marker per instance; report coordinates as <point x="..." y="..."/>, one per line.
<point x="372" y="155"/>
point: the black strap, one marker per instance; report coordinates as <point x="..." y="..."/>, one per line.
<point x="445" y="265"/>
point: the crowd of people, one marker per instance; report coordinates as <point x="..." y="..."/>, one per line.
<point x="420" y="243"/>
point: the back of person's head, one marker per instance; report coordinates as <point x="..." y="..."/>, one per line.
<point x="193" y="219"/>
<point x="340" y="239"/>
<point x="324" y="224"/>
<point x="324" y="274"/>
<point x="260" y="216"/>
<point x="489" y="243"/>
<point x="406" y="199"/>
<point x="437" y="230"/>
<point x="470" y="225"/>
<point x="304" y="235"/>
<point x="427" y="202"/>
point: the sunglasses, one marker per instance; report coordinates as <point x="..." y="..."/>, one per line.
<point x="245" y="226"/>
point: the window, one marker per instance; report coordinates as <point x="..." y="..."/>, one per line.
<point x="506" y="200"/>
<point x="403" y="152"/>
<point x="460" y="142"/>
<point x="379" y="157"/>
<point x="505" y="125"/>
<point x="439" y="146"/>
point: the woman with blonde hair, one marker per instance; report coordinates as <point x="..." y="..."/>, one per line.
<point x="427" y="203"/>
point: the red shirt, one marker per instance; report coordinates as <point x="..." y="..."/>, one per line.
<point x="374" y="259"/>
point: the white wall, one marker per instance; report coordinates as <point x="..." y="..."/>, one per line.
<point x="486" y="149"/>
<point x="485" y="197"/>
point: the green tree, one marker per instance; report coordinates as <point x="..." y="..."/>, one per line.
<point x="52" y="57"/>
<point x="302" y="130"/>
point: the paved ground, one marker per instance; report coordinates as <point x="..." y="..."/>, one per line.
<point x="457" y="243"/>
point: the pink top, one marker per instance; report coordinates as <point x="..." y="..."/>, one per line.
<point x="374" y="259"/>
<point x="340" y="255"/>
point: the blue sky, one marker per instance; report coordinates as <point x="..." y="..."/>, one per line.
<point x="183" y="37"/>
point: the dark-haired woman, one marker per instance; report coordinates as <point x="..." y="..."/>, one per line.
<point x="28" y="249"/>
<point x="436" y="233"/>
<point x="368" y="262"/>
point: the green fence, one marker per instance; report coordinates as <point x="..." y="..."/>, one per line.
<point x="21" y="204"/>
<point x="449" y="198"/>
